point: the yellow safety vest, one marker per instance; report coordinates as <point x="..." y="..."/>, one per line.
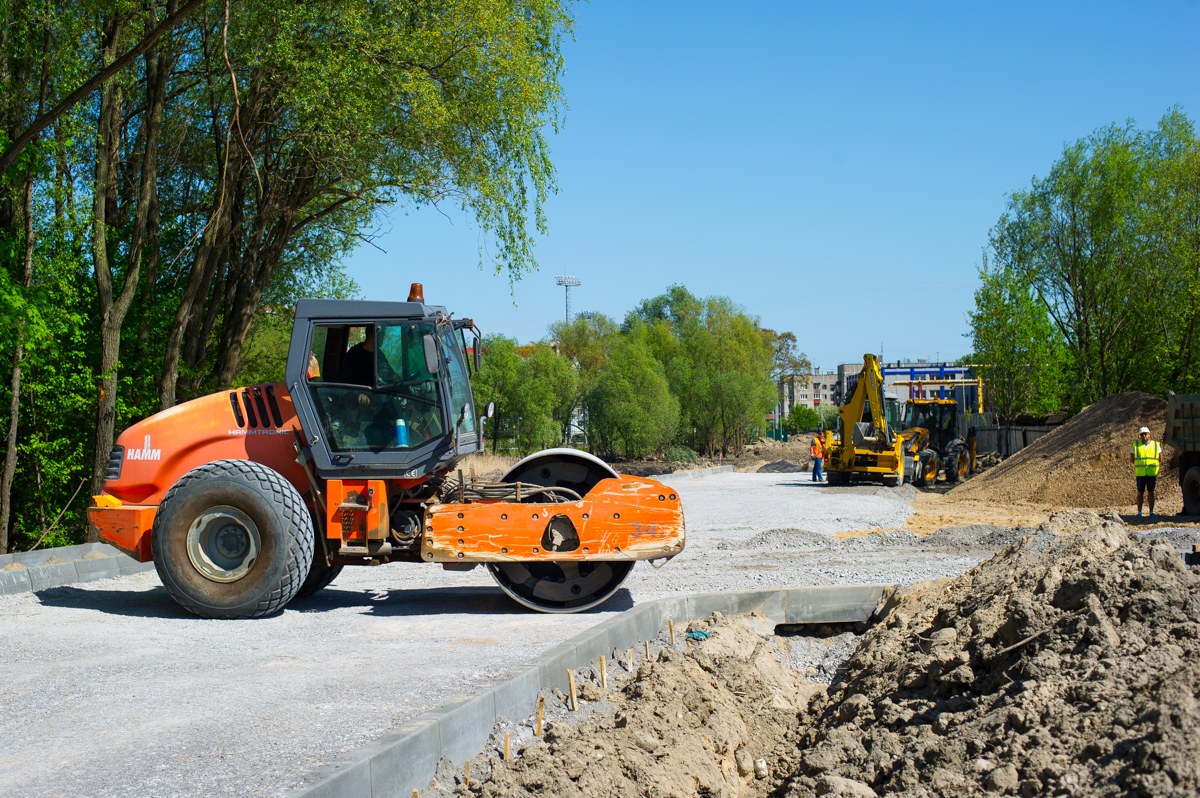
<point x="1145" y="458"/>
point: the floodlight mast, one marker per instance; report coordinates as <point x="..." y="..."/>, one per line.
<point x="567" y="283"/>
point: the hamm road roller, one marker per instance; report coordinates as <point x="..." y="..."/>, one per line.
<point x="247" y="498"/>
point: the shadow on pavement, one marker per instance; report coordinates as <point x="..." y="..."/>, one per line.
<point x="153" y="603"/>
<point x="436" y="601"/>
<point x="157" y="603"/>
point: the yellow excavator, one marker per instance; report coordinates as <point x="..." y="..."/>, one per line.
<point x="868" y="445"/>
<point x="865" y="444"/>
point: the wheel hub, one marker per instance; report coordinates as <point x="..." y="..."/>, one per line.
<point x="223" y="544"/>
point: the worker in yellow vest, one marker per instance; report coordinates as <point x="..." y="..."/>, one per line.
<point x="1145" y="455"/>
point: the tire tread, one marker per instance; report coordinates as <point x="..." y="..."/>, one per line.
<point x="297" y="522"/>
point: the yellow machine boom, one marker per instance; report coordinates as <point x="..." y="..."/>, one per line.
<point x="865" y="445"/>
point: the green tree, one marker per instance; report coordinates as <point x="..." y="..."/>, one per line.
<point x="630" y="408"/>
<point x="585" y="342"/>
<point x="499" y="381"/>
<point x="801" y="419"/>
<point x="1017" y="347"/>
<point x="552" y="378"/>
<point x="1107" y="242"/>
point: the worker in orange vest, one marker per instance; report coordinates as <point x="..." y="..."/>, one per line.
<point x="818" y="456"/>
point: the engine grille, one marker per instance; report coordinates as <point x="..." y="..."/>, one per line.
<point x="116" y="457"/>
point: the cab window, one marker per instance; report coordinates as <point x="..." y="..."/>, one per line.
<point x="371" y="389"/>
<point x="462" y="406"/>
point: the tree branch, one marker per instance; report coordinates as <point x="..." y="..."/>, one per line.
<point x="39" y="124"/>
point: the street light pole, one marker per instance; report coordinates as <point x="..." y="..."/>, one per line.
<point x="567" y="283"/>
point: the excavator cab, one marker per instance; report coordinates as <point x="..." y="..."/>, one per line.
<point x="934" y="425"/>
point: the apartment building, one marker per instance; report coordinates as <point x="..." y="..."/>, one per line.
<point x="819" y="391"/>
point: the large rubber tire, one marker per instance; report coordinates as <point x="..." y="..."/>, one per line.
<point x="956" y="463"/>
<point x="928" y="468"/>
<point x="232" y="539"/>
<point x="1191" y="491"/>
<point x="319" y="578"/>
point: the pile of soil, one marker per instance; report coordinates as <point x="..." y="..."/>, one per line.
<point x="1066" y="665"/>
<point x="1085" y="462"/>
<point x="690" y="722"/>
<point x="783" y="467"/>
<point x="1063" y="666"/>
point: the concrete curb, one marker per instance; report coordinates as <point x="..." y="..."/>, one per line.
<point x="698" y="473"/>
<point x="84" y="563"/>
<point x="405" y="759"/>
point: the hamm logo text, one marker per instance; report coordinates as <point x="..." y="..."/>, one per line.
<point x="145" y="453"/>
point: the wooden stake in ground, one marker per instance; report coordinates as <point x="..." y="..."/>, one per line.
<point x="541" y="705"/>
<point x="671" y="630"/>
<point x="507" y="744"/>
<point x="467" y="775"/>
<point x="571" y="681"/>
<point x="647" y="644"/>
<point x="629" y="659"/>
<point x="603" y="675"/>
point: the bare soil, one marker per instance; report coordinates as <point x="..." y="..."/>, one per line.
<point x="1066" y="665"/>
<point x="688" y="722"/>
<point x="1084" y="463"/>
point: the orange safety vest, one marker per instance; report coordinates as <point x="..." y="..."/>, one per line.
<point x="818" y="448"/>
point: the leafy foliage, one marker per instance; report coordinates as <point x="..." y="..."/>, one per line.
<point x="1108" y="243"/>
<point x="154" y="237"/>
<point x="801" y="419"/>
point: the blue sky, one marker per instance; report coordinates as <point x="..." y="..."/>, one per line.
<point x="833" y="168"/>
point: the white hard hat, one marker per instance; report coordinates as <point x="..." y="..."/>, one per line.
<point x="1143" y="429"/>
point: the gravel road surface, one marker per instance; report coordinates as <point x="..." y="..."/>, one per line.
<point x="108" y="688"/>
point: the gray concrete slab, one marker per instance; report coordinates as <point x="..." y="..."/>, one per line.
<point x="464" y="724"/>
<point x="402" y="759"/>
<point x="14" y="581"/>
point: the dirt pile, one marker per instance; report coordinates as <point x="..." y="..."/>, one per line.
<point x="1063" y="666"/>
<point x="688" y="723"/>
<point x="1083" y="463"/>
<point x="783" y="467"/>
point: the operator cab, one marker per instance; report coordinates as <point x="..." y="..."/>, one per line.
<point x="940" y="418"/>
<point x="381" y="388"/>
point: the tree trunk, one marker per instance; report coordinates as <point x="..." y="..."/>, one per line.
<point x="10" y="443"/>
<point x="113" y="310"/>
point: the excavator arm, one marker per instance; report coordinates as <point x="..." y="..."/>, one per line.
<point x="868" y="394"/>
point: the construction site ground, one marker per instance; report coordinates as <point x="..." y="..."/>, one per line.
<point x="109" y="688"/>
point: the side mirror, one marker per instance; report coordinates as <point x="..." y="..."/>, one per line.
<point x="478" y="355"/>
<point x="489" y="410"/>
<point x="432" y="363"/>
